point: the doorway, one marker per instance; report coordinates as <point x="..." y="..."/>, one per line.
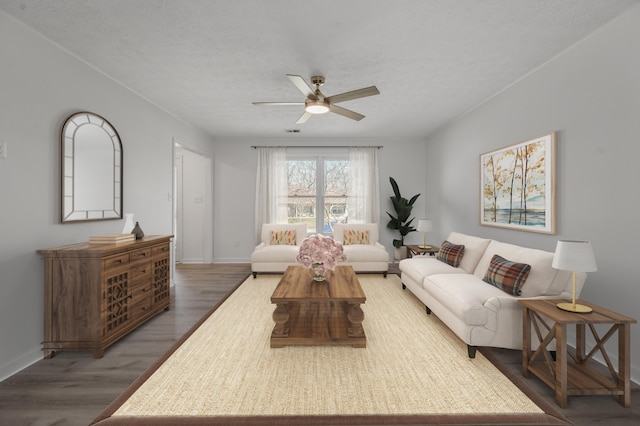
<point x="192" y="207"/>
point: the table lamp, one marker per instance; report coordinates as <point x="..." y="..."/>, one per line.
<point x="424" y="225"/>
<point x="574" y="256"/>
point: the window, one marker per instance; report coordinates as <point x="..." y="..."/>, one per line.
<point x="318" y="192"/>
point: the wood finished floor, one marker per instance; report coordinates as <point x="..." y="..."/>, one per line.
<point x="73" y="388"/>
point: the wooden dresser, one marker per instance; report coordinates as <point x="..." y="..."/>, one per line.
<point x="94" y="294"/>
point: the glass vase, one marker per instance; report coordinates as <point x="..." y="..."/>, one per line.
<point x="318" y="271"/>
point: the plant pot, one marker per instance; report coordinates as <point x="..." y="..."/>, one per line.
<point x="400" y="253"/>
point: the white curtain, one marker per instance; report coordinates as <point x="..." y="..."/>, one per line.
<point x="364" y="192"/>
<point x="271" y="187"/>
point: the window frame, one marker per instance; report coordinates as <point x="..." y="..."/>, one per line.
<point x="320" y="159"/>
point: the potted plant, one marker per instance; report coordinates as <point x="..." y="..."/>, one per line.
<point x="401" y="221"/>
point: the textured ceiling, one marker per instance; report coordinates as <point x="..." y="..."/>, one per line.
<point x="206" y="61"/>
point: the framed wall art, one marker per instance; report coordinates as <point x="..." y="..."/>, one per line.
<point x="517" y="186"/>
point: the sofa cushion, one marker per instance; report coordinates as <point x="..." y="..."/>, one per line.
<point x="462" y="294"/>
<point x="541" y="279"/>
<point x="474" y="248"/>
<point x="355" y="236"/>
<point x="507" y="276"/>
<point x="280" y="253"/>
<point x="283" y="237"/>
<point x="365" y="253"/>
<point x="419" y="267"/>
<point x="450" y="254"/>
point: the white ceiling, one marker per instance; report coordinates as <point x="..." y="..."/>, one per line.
<point x="205" y="61"/>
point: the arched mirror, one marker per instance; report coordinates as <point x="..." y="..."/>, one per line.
<point x="91" y="169"/>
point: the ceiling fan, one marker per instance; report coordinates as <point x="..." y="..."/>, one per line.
<point x="318" y="103"/>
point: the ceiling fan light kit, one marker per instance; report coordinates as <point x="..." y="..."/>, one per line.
<point x="316" y="107"/>
<point x="316" y="103"/>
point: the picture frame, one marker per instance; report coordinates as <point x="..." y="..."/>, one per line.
<point x="518" y="188"/>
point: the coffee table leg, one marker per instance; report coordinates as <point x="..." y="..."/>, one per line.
<point x="281" y="317"/>
<point x="355" y="317"/>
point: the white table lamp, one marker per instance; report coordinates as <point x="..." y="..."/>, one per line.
<point x="574" y="256"/>
<point x="424" y="225"/>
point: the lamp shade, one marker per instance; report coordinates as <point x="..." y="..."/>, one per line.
<point x="574" y="256"/>
<point x="424" y="225"/>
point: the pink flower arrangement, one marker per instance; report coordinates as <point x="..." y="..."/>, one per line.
<point x="320" y="252"/>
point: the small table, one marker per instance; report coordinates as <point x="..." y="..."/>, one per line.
<point x="573" y="376"/>
<point x="318" y="313"/>
<point x="413" y="250"/>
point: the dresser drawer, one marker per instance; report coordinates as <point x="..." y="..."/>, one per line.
<point x="140" y="255"/>
<point x="161" y="250"/>
<point x="116" y="261"/>
<point x="141" y="272"/>
<point x="141" y="302"/>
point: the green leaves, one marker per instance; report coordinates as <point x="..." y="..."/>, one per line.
<point x="401" y="220"/>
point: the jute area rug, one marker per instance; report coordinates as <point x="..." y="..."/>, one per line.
<point x="413" y="371"/>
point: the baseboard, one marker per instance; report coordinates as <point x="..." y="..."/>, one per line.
<point x="9" y="369"/>
<point x="231" y="260"/>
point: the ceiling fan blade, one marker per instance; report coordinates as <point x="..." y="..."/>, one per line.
<point x="355" y="94"/>
<point x="346" y="112"/>
<point x="304" y="117"/>
<point x="302" y="86"/>
<point x="278" y="103"/>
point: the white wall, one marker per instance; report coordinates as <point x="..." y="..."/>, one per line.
<point x="590" y="95"/>
<point x="40" y="86"/>
<point x="235" y="179"/>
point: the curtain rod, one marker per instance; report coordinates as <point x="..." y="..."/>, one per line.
<point x="316" y="146"/>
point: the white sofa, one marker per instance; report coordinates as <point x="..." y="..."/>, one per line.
<point x="479" y="313"/>
<point x="371" y="257"/>
<point x="275" y="258"/>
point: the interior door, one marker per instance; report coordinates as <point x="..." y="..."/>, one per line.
<point x="193" y="207"/>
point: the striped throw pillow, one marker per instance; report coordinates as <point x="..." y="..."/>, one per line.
<point x="450" y="254"/>
<point x="506" y="275"/>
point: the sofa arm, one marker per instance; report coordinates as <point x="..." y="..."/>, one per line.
<point x="380" y="246"/>
<point x="260" y="246"/>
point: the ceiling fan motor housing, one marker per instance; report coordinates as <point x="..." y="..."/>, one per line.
<point x="317" y="80"/>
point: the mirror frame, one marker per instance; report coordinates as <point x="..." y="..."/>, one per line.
<point x="68" y="179"/>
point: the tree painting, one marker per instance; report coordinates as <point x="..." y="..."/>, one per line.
<point x="518" y="186"/>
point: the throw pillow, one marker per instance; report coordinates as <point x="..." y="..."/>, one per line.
<point x="450" y="254"/>
<point x="281" y="238"/>
<point x="355" y="236"/>
<point x="506" y="275"/>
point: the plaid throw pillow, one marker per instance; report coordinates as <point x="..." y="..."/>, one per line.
<point x="450" y="254"/>
<point x="506" y="275"/>
<point x="280" y="238"/>
<point x="353" y="236"/>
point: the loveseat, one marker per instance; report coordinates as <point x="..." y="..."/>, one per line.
<point x="280" y="244"/>
<point x="362" y="247"/>
<point x="278" y="248"/>
<point x="479" y="313"/>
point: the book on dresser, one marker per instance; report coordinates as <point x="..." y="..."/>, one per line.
<point x="112" y="238"/>
<point x="96" y="293"/>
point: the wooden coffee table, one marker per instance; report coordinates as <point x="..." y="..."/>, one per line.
<point x="318" y="313"/>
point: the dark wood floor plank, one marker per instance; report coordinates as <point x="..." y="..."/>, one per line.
<point x="73" y="388"/>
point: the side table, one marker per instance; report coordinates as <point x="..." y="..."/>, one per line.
<point x="413" y="250"/>
<point x="569" y="374"/>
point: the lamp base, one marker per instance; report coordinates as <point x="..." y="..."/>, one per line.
<point x="570" y="307"/>
<point x="424" y="247"/>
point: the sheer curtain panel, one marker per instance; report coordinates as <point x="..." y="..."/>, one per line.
<point x="271" y="187"/>
<point x="364" y="191"/>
